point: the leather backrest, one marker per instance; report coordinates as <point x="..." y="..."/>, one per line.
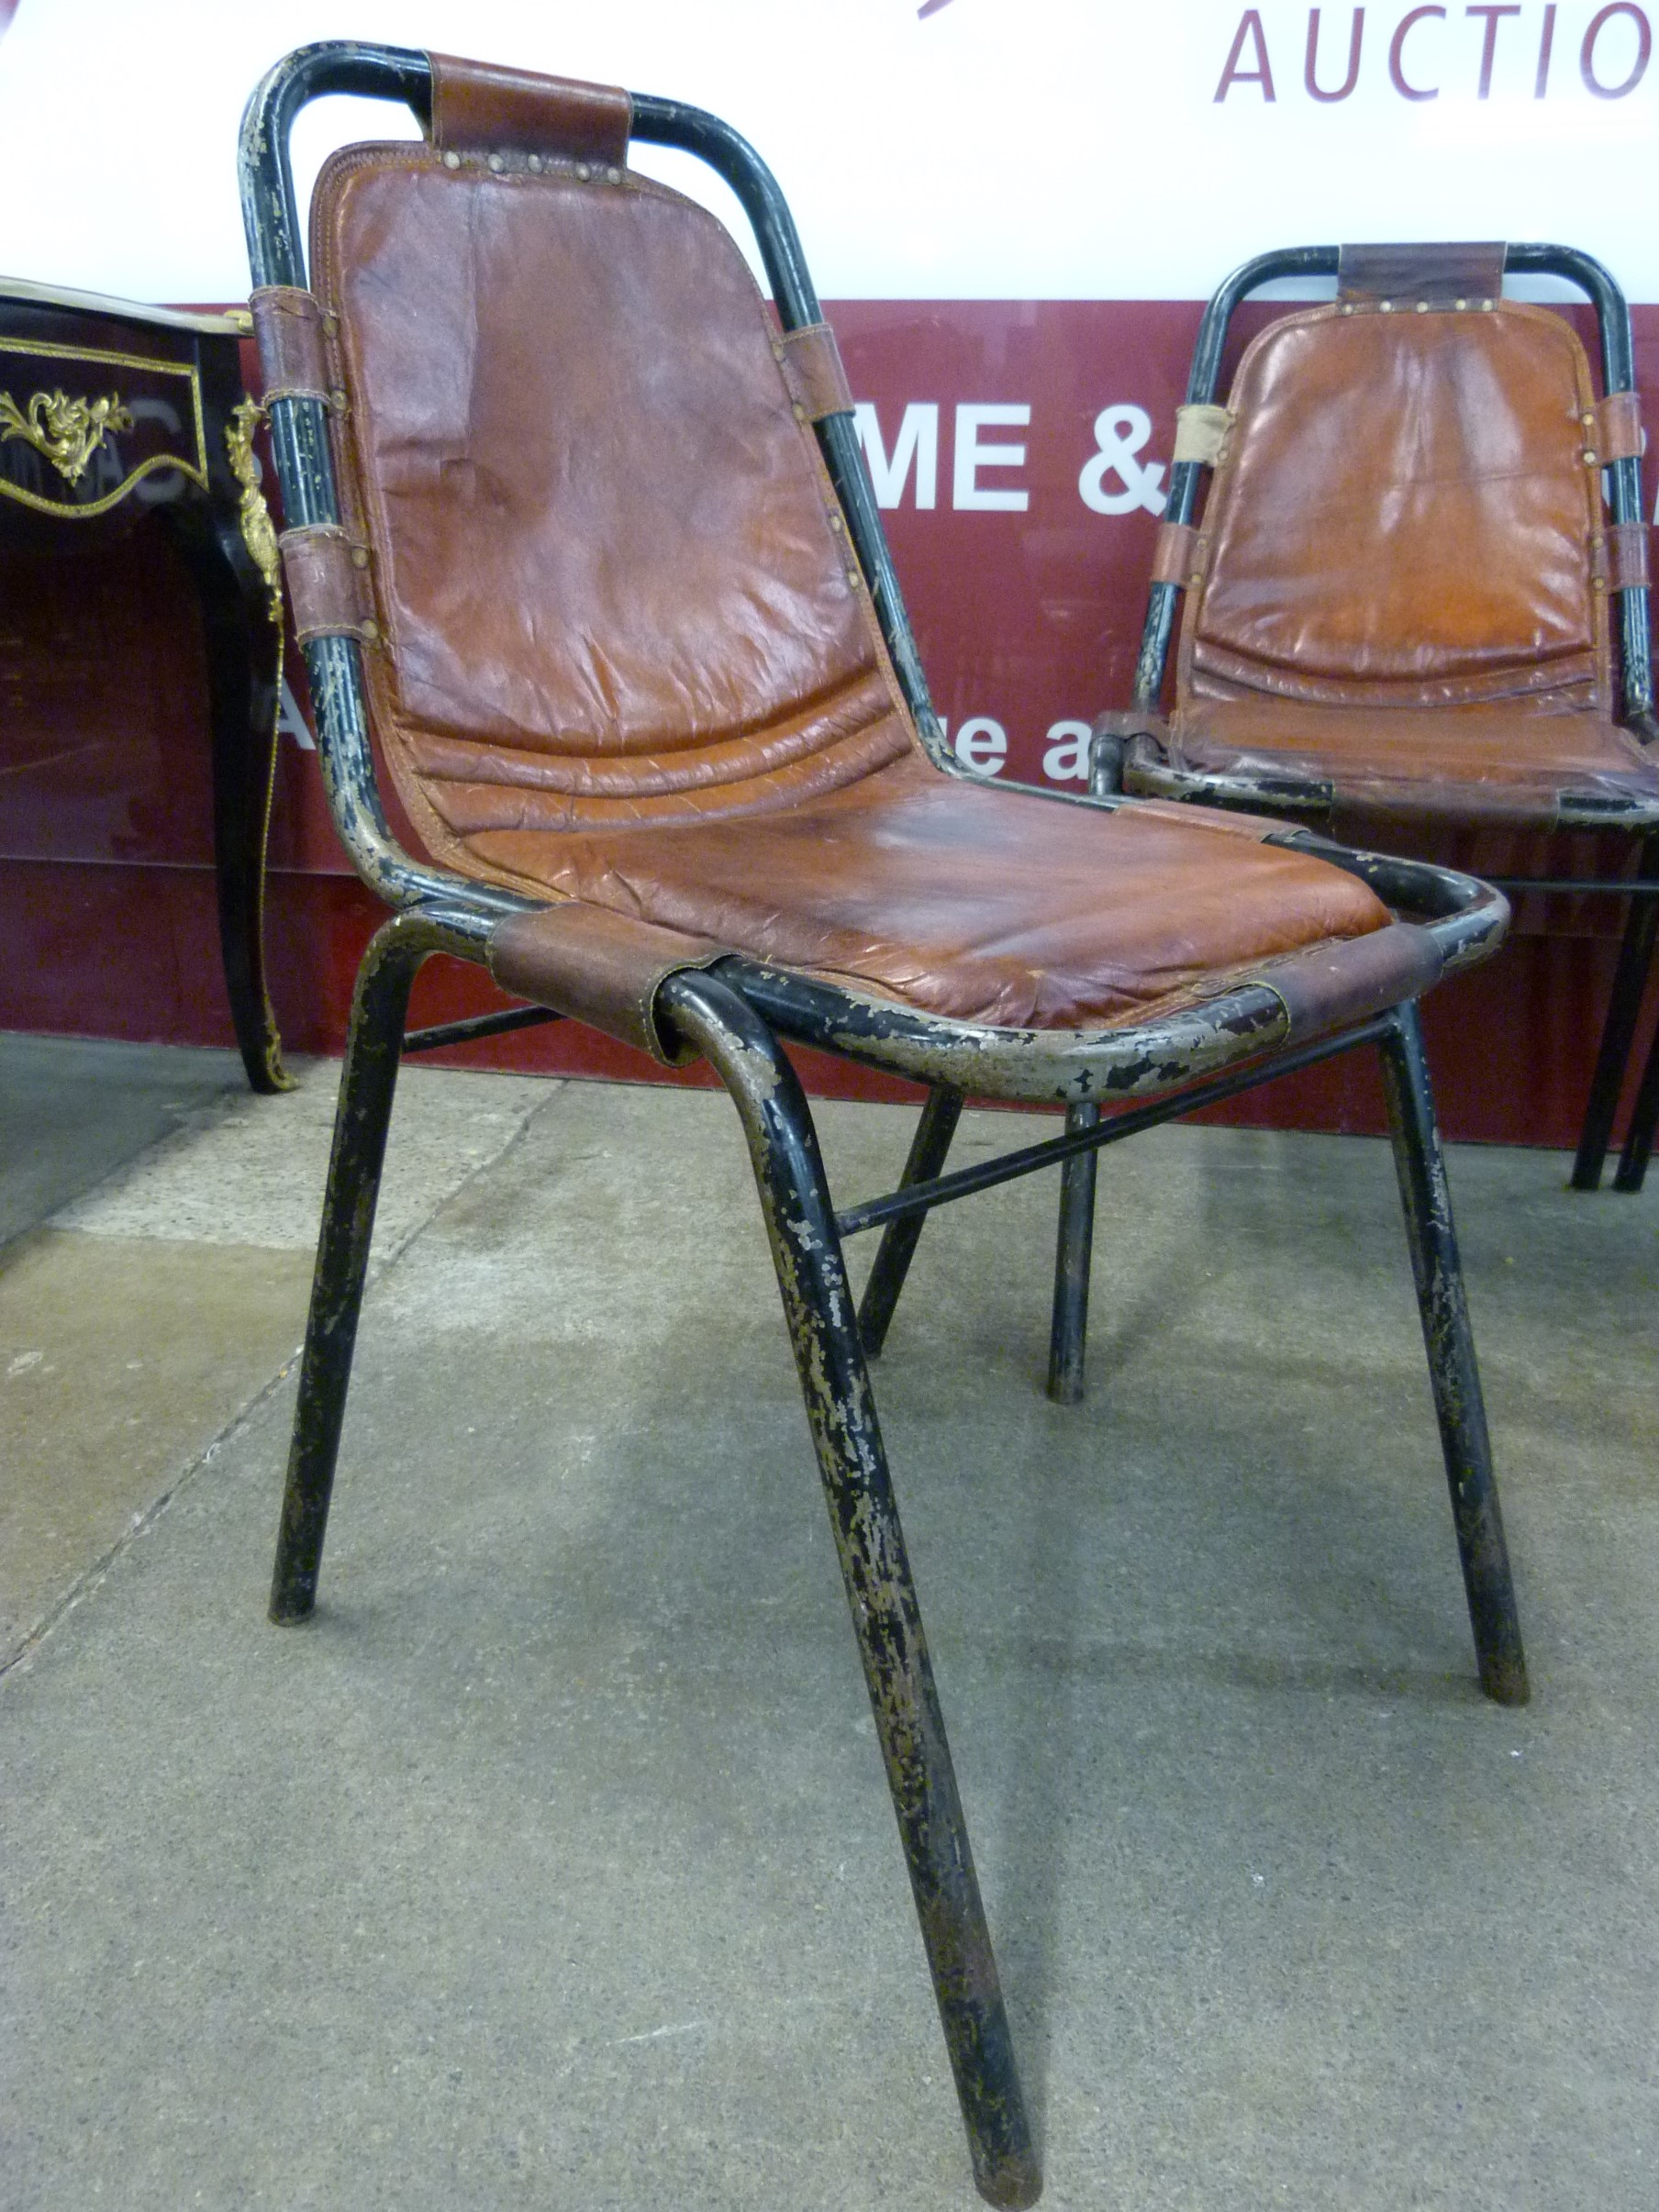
<point x="1407" y="511"/>
<point x="610" y="572"/>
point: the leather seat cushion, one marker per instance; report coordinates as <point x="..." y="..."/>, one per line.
<point x="1460" y="764"/>
<point x="960" y="899"/>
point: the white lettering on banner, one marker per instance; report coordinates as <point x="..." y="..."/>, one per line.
<point x="1628" y="44"/>
<point x="981" y="744"/>
<point x="290" y="723"/>
<point x="970" y="457"/>
<point x="1120" y="434"/>
<point x="917" y="444"/>
<point x="1066" y="760"/>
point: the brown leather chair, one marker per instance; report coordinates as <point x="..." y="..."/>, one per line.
<point x="1398" y="595"/>
<point x="580" y="545"/>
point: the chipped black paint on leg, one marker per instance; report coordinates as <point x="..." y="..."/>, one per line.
<point x="1451" y="1365"/>
<point x="368" y="1081"/>
<point x="1068" y="1334"/>
<point x="897" y="1248"/>
<point x="1645" y="1116"/>
<point x="886" y="1619"/>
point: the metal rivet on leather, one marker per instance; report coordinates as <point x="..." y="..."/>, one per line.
<point x="535" y="164"/>
<point x="360" y="556"/>
<point x="336" y="399"/>
<point x="371" y="630"/>
<point x="452" y="161"/>
<point x="799" y="412"/>
<point x="1589" y="459"/>
<point x="584" y="172"/>
<point x="495" y="163"/>
<point x="1462" y="303"/>
<point x="1487" y="306"/>
<point x="1384" y="307"/>
<point x="613" y="176"/>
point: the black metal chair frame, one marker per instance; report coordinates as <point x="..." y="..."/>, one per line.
<point x="1300" y="795"/>
<point x="735" y="1014"/>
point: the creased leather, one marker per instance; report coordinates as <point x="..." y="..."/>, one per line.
<point x="599" y="967"/>
<point x="481" y="108"/>
<point x="609" y="553"/>
<point x="288" y="328"/>
<point x="1405" y="501"/>
<point x="631" y="661"/>
<point x="960" y="899"/>
<point x="1405" y="596"/>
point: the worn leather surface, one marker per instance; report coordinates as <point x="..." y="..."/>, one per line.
<point x="1405" y="571"/>
<point x="610" y="562"/>
<point x="815" y="372"/>
<point x="600" y="967"/>
<point x="629" y="659"/>
<point x="481" y="107"/>
<point x="288" y="327"/>
<point x="1466" y="765"/>
<point x="960" y="899"/>
<point x="328" y="586"/>
<point x="1403" y="515"/>
<point x="1443" y="273"/>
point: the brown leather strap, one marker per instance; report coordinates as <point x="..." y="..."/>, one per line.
<point x="600" y="968"/>
<point x="812" y="369"/>
<point x="1625" y="562"/>
<point x="1178" y="554"/>
<point x="480" y="109"/>
<point x="1618" y="428"/>
<point x="328" y="586"/>
<point x="1330" y="985"/>
<point x="288" y="325"/>
<point x="1442" y="275"/>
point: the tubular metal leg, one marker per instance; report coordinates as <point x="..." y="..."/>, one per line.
<point x="886" y="1619"/>
<point x="1068" y="1336"/>
<point x="367" y="1084"/>
<point x="1618" y="1031"/>
<point x="1644" y="1114"/>
<point x="1451" y="1366"/>
<point x="927" y="1158"/>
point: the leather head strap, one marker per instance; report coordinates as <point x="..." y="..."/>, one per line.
<point x="478" y="108"/>
<point x="1443" y="275"/>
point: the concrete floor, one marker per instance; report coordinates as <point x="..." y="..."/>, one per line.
<point x="551" y="1864"/>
